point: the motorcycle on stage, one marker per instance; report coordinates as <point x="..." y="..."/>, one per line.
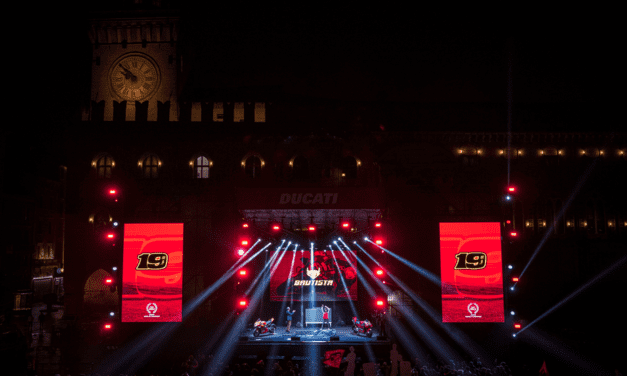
<point x="362" y="327"/>
<point x="262" y="327"/>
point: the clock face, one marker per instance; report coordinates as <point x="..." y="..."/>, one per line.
<point x="134" y="77"/>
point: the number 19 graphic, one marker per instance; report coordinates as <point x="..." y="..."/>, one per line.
<point x="152" y="261"/>
<point x="471" y="260"/>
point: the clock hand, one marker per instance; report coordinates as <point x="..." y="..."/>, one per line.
<point x="128" y="74"/>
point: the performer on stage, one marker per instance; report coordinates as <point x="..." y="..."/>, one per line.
<point x="289" y="318"/>
<point x="325" y="316"/>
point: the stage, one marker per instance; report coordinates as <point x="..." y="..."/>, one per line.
<point x="298" y="342"/>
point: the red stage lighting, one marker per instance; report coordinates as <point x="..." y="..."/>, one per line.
<point x="346" y="225"/>
<point x="244" y="225"/>
<point x="378" y="272"/>
<point x="244" y="242"/>
<point x="377" y="224"/>
<point x="514" y="279"/>
<point x="513" y="234"/>
<point x="311" y="228"/>
<point x="380" y="303"/>
<point x="276" y="227"/>
<point x="107" y="326"/>
<point x="517" y="326"/>
<point x="378" y="241"/>
<point x="242" y="303"/>
<point x="243" y="273"/>
<point x="110" y="235"/>
<point x="511" y="189"/>
<point x="112" y="192"/>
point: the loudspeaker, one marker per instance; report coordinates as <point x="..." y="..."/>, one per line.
<point x="335" y="338"/>
<point x="243" y="338"/>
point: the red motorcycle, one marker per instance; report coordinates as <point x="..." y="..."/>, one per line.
<point x="363" y="327"/>
<point x="262" y="327"/>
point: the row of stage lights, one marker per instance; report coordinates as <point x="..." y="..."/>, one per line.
<point x="513" y="234"/>
<point x="110" y="235"/>
<point x="275" y="231"/>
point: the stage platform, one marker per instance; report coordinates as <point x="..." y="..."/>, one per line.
<point x="299" y="340"/>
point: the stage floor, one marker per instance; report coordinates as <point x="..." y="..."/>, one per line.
<point x="342" y="334"/>
<point x="302" y="343"/>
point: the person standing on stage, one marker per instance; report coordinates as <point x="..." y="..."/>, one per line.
<point x="325" y="316"/>
<point x="289" y="318"/>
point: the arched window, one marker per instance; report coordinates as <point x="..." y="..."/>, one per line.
<point x="252" y="166"/>
<point x="300" y="168"/>
<point x="104" y="164"/>
<point x="150" y="165"/>
<point x="349" y="167"/>
<point x="202" y="167"/>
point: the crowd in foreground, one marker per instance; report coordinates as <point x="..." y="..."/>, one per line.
<point x="349" y="366"/>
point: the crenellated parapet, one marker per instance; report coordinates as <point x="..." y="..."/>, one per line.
<point x="133" y="30"/>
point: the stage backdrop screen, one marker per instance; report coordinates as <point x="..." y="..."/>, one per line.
<point x="152" y="275"/>
<point x="297" y="279"/>
<point x="472" y="274"/>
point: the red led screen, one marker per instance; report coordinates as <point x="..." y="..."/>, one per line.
<point x="152" y="272"/>
<point x="297" y="279"/>
<point x="472" y="276"/>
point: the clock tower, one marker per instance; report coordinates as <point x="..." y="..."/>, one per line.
<point x="134" y="66"/>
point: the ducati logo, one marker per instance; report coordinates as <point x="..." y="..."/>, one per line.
<point x="313" y="273"/>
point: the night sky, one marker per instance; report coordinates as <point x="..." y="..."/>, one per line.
<point x="369" y="54"/>
<point x="564" y="63"/>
